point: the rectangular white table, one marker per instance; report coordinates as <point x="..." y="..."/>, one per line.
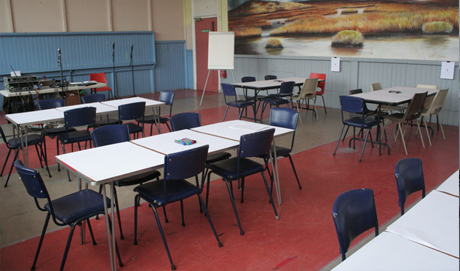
<point x="234" y="129"/>
<point x="451" y="185"/>
<point x="389" y="251"/>
<point x="100" y="108"/>
<point x="393" y="95"/>
<point x="433" y="222"/>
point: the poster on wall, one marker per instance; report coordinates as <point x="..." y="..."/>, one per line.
<point x="417" y="29"/>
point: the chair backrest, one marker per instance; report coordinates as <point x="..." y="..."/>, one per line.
<point x="186" y="120"/>
<point x="131" y="111"/>
<point x="229" y="90"/>
<point x="248" y="79"/>
<point x="353" y="213"/>
<point x="99" y="77"/>
<point x="270" y="77"/>
<point x="286" y="118"/>
<point x="438" y="101"/>
<point x="80" y="117"/>
<point x="50" y="103"/>
<point x="287" y="87"/>
<point x="376" y="86"/>
<point x="309" y="88"/>
<point x="321" y="84"/>
<point x="256" y="144"/>
<point x="355" y="91"/>
<point x="167" y="96"/>
<point x="427" y="86"/>
<point x="409" y="179"/>
<point x="414" y="110"/>
<point x="93" y="98"/>
<point x="352" y="104"/>
<point x="110" y="134"/>
<point x="185" y="164"/>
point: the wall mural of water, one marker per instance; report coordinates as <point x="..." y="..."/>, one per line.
<point x="425" y="30"/>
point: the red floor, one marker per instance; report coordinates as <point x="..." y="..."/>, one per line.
<point x="303" y="238"/>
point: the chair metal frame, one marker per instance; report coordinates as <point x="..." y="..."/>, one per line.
<point x="97" y="98"/>
<point x="229" y="91"/>
<point x="166" y="96"/>
<point x="307" y="93"/>
<point x="133" y="111"/>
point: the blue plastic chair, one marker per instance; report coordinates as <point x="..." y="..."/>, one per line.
<point x="85" y="116"/>
<point x="15" y="144"/>
<point x="133" y="111"/>
<point x="356" y="106"/>
<point x="229" y="91"/>
<point x="177" y="167"/>
<point x="111" y="134"/>
<point x="70" y="210"/>
<point x="409" y="179"/>
<point x="286" y="118"/>
<point x="191" y="120"/>
<point x="284" y="96"/>
<point x="251" y="145"/>
<point x="353" y="213"/>
<point x="166" y="96"/>
<point x="97" y="98"/>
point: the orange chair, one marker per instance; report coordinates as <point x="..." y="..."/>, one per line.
<point x="100" y="78"/>
<point x="321" y="85"/>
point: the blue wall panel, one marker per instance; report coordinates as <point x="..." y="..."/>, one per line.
<point x="189" y="69"/>
<point x="170" y="72"/>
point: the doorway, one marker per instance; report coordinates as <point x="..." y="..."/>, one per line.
<point x="202" y="29"/>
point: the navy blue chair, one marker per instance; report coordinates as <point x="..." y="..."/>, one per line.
<point x="15" y="144"/>
<point x="286" y="118"/>
<point x="246" y="79"/>
<point x="173" y="188"/>
<point x="284" y="96"/>
<point x="236" y="168"/>
<point x="85" y="116"/>
<point x="229" y="91"/>
<point x="133" y="111"/>
<point x="166" y="96"/>
<point x="270" y="77"/>
<point x="359" y="120"/>
<point x="353" y="213"/>
<point x="70" y="210"/>
<point x="52" y="132"/>
<point x="97" y="98"/>
<point x="409" y="179"/>
<point x="111" y="134"/>
<point x="191" y="120"/>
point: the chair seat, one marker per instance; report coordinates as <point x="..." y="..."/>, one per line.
<point x="212" y="158"/>
<point x="79" y="205"/>
<point x="134" y="128"/>
<point x="31" y="140"/>
<point x="106" y="122"/>
<point x="228" y="168"/>
<point x="138" y="179"/>
<point x="52" y="132"/>
<point x="241" y="103"/>
<point x="76" y="136"/>
<point x="357" y="122"/>
<point x="153" y="119"/>
<point x="275" y="100"/>
<point x="154" y="192"/>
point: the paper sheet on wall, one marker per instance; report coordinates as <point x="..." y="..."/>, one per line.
<point x="447" y="70"/>
<point x="335" y="64"/>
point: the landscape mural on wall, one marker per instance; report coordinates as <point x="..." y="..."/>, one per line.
<point x="418" y="29"/>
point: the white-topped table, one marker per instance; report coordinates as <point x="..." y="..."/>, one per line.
<point x="389" y="251"/>
<point x="451" y="185"/>
<point x="393" y="95"/>
<point x="269" y="84"/>
<point x="100" y="108"/>
<point x="164" y="143"/>
<point x="432" y="222"/>
<point x="234" y="129"/>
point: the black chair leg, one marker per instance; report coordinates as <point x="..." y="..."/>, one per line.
<point x="269" y="195"/>
<point x="242" y="190"/>
<point x="364" y="146"/>
<point x="234" y="206"/>
<point x="163" y="237"/>
<point x="210" y="221"/>
<point x="117" y="207"/>
<point x="182" y="211"/>
<point x="12" y="165"/>
<point x="66" y="251"/>
<point x="6" y="160"/>
<point x="41" y="240"/>
<point x="207" y="188"/>
<point x="45" y="158"/>
<point x="226" y="110"/>
<point x="136" y="205"/>
<point x="120" y="263"/>
<point x="91" y="232"/>
<point x="295" y="172"/>
<point x="324" y="104"/>
<point x="338" y="141"/>
<point x="346" y="132"/>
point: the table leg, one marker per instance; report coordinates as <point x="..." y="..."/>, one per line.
<point x="110" y="236"/>
<point x="156" y="113"/>
<point x="275" y="173"/>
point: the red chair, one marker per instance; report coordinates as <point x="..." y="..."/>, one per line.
<point x="100" y="78"/>
<point x="321" y="85"/>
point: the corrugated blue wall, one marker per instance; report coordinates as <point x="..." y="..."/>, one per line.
<point x="157" y="66"/>
<point x="355" y="73"/>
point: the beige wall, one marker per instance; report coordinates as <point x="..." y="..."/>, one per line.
<point x="164" y="17"/>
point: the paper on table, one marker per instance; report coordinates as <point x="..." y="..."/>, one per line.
<point x="249" y="126"/>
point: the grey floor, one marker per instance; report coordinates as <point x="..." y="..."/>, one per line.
<point x="21" y="220"/>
